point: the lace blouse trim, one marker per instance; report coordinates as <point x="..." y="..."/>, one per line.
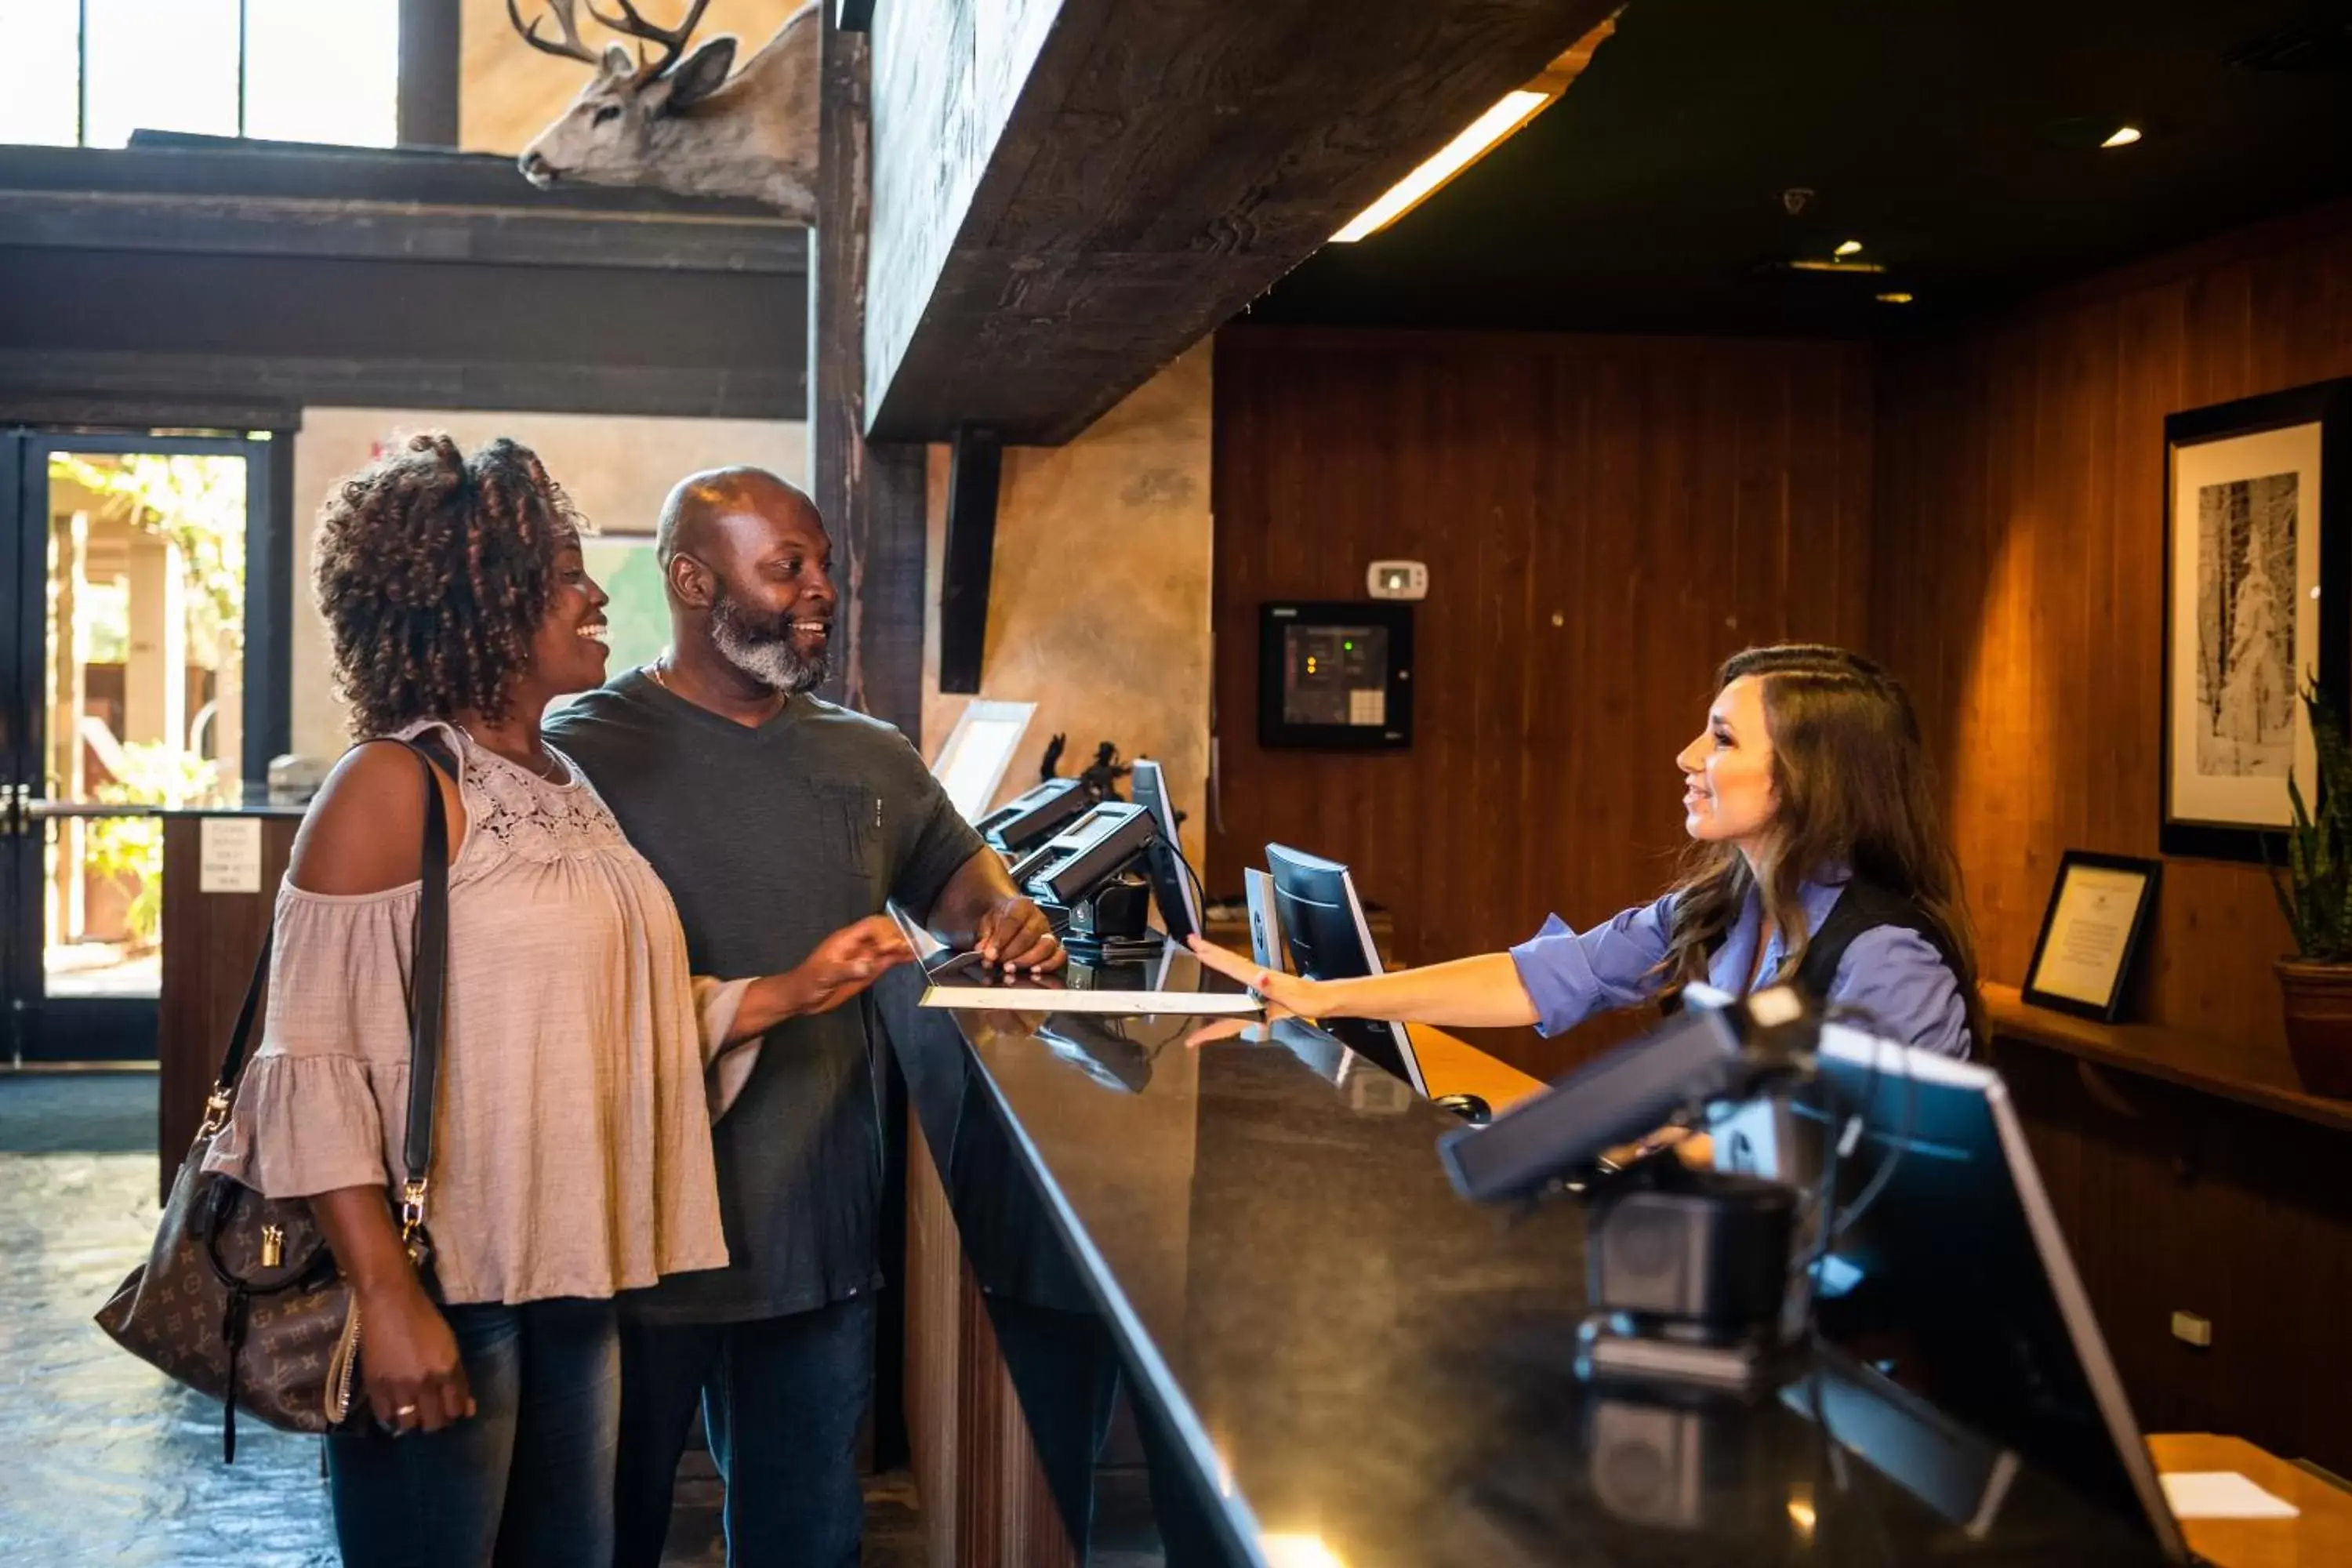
<point x="527" y="816"/>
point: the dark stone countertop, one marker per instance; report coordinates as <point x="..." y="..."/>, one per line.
<point x="1337" y="1360"/>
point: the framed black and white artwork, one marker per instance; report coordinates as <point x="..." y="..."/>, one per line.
<point x="2256" y="601"/>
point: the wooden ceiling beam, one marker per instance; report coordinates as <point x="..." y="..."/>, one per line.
<point x="1070" y="193"/>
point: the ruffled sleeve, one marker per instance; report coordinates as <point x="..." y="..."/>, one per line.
<point x="715" y="1003"/>
<point x="323" y="1102"/>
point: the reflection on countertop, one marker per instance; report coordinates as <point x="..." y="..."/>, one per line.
<point x="1336" y="1360"/>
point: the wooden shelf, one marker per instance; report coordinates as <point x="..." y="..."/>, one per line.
<point x="2249" y="1074"/>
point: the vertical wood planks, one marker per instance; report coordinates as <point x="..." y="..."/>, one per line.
<point x="2020" y="571"/>
<point x="1671" y="501"/>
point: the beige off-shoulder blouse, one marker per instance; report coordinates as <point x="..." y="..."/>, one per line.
<point x="572" y="1152"/>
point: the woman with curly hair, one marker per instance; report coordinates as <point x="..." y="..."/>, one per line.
<point x="572" y="1157"/>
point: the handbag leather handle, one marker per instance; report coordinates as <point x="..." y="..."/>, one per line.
<point x="428" y="983"/>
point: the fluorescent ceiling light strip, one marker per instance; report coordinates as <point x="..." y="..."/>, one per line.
<point x="1515" y="110"/>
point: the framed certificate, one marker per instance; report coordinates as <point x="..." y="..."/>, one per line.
<point x="2098" y="912"/>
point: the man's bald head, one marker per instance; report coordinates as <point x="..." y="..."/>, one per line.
<point x="700" y="504"/>
<point x="750" y="574"/>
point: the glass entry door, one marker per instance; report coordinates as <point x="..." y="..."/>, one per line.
<point x="122" y="695"/>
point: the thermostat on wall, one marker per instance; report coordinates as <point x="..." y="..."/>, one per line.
<point x="1397" y="579"/>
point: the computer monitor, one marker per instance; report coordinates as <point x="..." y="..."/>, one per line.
<point x="1173" y="884"/>
<point x="1955" y="1280"/>
<point x="1323" y="924"/>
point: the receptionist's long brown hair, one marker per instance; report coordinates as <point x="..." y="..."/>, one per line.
<point x="1853" y="790"/>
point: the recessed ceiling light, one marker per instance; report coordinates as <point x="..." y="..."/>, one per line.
<point x="1850" y="247"/>
<point x="1511" y="111"/>
<point x="1808" y="264"/>
<point x="1514" y="109"/>
<point x="1895" y="299"/>
<point x="2124" y="137"/>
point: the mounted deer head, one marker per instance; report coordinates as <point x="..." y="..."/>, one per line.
<point x="678" y="120"/>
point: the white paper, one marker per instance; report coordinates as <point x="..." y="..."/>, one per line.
<point x="229" y="855"/>
<point x="1017" y="998"/>
<point x="2221" y="1494"/>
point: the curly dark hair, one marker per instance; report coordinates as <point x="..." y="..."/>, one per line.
<point x="434" y="570"/>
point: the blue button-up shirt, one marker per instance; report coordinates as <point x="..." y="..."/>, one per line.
<point x="1892" y="974"/>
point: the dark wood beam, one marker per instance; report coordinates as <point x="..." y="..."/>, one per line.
<point x="136" y="387"/>
<point x="427" y="114"/>
<point x="1160" y="163"/>
<point x="968" y="558"/>
<point x="871" y="495"/>
<point x="301" y="225"/>
<point x="175" y="162"/>
<point x="106" y="328"/>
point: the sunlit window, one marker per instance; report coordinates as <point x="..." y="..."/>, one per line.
<point x="323" y="70"/>
<point x="40" y="72"/>
<point x="91" y="72"/>
<point x="158" y="65"/>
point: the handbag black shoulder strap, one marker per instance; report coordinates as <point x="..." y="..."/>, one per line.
<point x="428" y="983"/>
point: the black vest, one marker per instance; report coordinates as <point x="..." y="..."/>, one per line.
<point x="1861" y="907"/>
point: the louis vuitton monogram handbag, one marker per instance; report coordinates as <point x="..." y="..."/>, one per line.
<point x="240" y="1298"/>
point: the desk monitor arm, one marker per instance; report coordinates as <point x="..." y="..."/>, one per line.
<point x="1687" y="1270"/>
<point x="1088" y="871"/>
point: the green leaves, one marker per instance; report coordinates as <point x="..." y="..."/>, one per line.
<point x="2314" y="889"/>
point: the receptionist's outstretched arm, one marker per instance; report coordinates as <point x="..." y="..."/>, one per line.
<point x="1482" y="993"/>
<point x="1554" y="980"/>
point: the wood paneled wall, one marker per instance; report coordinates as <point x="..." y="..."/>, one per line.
<point x="1604" y="519"/>
<point x="210" y="943"/>
<point x="986" y="1502"/>
<point x="2018" y="579"/>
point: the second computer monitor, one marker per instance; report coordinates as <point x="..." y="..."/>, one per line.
<point x="1323" y="924"/>
<point x="1172" y="879"/>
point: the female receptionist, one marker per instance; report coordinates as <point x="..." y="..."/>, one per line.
<point x="1817" y="857"/>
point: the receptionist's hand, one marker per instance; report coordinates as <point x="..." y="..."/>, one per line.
<point x="1254" y="1030"/>
<point x="1281" y="993"/>
<point x="1014" y="934"/>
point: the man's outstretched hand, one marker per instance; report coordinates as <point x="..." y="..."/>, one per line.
<point x="846" y="964"/>
<point x="1014" y="935"/>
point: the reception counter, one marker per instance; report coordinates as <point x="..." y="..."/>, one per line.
<point x="1333" y="1359"/>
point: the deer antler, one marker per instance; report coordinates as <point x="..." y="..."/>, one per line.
<point x="672" y="39"/>
<point x="571" y="48"/>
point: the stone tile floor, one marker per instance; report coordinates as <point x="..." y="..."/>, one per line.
<point x="104" y="1460"/>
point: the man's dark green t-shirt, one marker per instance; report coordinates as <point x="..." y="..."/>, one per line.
<point x="770" y="839"/>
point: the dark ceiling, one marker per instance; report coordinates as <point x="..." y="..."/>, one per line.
<point x="1958" y="140"/>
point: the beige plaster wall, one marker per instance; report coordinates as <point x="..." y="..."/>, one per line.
<point x="1098" y="604"/>
<point x="507" y="92"/>
<point x="617" y="469"/>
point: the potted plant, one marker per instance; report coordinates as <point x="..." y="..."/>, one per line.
<point x="2315" y="891"/>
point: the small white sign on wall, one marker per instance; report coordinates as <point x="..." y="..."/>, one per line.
<point x="229" y="852"/>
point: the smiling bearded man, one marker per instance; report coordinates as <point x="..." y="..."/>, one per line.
<point x="781" y="823"/>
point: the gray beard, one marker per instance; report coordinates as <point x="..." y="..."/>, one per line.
<point x="762" y="652"/>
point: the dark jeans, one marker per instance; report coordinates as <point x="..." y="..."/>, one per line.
<point x="526" y="1482"/>
<point x="781" y="1399"/>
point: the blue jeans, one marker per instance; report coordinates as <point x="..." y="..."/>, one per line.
<point x="781" y="1399"/>
<point x="526" y="1482"/>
